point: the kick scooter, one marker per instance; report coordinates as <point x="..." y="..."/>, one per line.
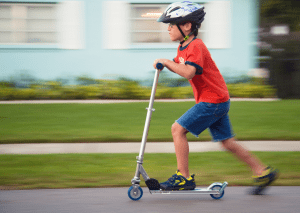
<point x="135" y="192"/>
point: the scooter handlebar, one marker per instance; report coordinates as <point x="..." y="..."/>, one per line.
<point x="159" y="66"/>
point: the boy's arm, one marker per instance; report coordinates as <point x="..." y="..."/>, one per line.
<point x="183" y="70"/>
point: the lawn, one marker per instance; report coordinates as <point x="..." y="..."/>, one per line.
<point x="115" y="170"/>
<point x="37" y="123"/>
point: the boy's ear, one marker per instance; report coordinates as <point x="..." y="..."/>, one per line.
<point x="188" y="26"/>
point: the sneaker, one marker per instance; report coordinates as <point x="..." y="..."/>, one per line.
<point x="261" y="182"/>
<point x="178" y="182"/>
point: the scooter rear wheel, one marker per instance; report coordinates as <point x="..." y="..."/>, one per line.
<point x="217" y="196"/>
<point x="135" y="193"/>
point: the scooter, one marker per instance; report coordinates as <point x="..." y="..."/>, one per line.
<point x="135" y="192"/>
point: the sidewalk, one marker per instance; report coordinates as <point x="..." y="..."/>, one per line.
<point x="151" y="147"/>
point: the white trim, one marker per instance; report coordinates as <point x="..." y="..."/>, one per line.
<point x="115" y="25"/>
<point x="71" y="25"/>
<point x="218" y="22"/>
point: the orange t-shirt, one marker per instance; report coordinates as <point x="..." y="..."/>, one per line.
<point x="208" y="84"/>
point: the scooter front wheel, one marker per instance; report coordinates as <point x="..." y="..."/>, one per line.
<point x="135" y="193"/>
<point x="215" y="196"/>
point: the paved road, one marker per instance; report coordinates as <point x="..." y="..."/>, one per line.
<point x="278" y="199"/>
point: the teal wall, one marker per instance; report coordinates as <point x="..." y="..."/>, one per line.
<point x="96" y="62"/>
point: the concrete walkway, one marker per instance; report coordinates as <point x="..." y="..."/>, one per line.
<point x="151" y="147"/>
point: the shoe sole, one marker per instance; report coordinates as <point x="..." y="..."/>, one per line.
<point x="258" y="190"/>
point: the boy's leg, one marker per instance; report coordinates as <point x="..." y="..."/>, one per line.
<point x="195" y="120"/>
<point x="181" y="180"/>
<point x="244" y="155"/>
<point x="181" y="148"/>
<point x="263" y="176"/>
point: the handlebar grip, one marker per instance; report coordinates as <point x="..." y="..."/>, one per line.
<point x="159" y="66"/>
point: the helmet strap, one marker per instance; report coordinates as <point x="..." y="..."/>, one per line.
<point x="185" y="38"/>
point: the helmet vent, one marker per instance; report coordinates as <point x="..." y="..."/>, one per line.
<point x="175" y="8"/>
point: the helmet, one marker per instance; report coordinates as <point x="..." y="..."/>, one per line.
<point x="180" y="12"/>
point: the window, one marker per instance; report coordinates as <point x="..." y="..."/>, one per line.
<point x="132" y="25"/>
<point x="42" y="25"/>
<point x="144" y="28"/>
<point x="28" y="23"/>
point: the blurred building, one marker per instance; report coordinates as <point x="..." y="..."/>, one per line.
<point x="106" y="39"/>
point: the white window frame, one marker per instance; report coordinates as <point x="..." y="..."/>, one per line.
<point x="133" y="19"/>
<point x="164" y="6"/>
<point x="69" y="25"/>
<point x="25" y="19"/>
<point x="216" y="28"/>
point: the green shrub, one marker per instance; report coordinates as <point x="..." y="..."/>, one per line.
<point x="130" y="90"/>
<point x="80" y="92"/>
<point x="124" y="90"/>
<point x="7" y="93"/>
<point x="184" y="92"/>
<point x="4" y="84"/>
<point x="251" y="91"/>
<point x="24" y="94"/>
<point x="165" y="92"/>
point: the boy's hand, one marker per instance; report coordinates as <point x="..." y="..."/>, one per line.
<point x="184" y="70"/>
<point x="162" y="61"/>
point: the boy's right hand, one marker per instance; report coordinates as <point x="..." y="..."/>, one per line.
<point x="161" y="61"/>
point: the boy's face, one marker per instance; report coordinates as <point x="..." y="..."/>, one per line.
<point x="174" y="32"/>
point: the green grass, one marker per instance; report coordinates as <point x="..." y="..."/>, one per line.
<point x="103" y="170"/>
<point x="22" y="123"/>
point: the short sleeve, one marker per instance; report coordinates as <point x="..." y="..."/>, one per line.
<point x="176" y="58"/>
<point x="195" y="58"/>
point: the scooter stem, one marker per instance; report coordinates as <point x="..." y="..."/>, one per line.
<point x="148" y="118"/>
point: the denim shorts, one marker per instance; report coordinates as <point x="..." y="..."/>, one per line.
<point x="207" y="115"/>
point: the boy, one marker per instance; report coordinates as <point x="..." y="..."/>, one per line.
<point x="194" y="62"/>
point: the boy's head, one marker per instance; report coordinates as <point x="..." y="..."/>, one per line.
<point x="187" y="17"/>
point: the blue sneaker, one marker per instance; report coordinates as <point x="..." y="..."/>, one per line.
<point x="178" y="182"/>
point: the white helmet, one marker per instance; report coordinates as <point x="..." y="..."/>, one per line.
<point x="181" y="12"/>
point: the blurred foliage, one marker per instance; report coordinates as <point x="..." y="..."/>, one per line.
<point x="85" y="80"/>
<point x="251" y="90"/>
<point x="282" y="50"/>
<point x="122" y="89"/>
<point x="4" y="84"/>
<point x="281" y="12"/>
<point x="285" y="69"/>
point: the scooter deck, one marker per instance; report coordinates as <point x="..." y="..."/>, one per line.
<point x="207" y="190"/>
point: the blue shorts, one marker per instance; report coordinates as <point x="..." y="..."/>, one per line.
<point x="207" y="115"/>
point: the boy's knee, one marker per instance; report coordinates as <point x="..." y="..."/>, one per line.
<point x="178" y="129"/>
<point x="229" y="144"/>
<point x="174" y="128"/>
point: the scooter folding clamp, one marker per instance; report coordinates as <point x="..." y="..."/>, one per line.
<point x="150" y="109"/>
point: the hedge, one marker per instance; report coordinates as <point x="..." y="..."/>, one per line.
<point x="122" y="90"/>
